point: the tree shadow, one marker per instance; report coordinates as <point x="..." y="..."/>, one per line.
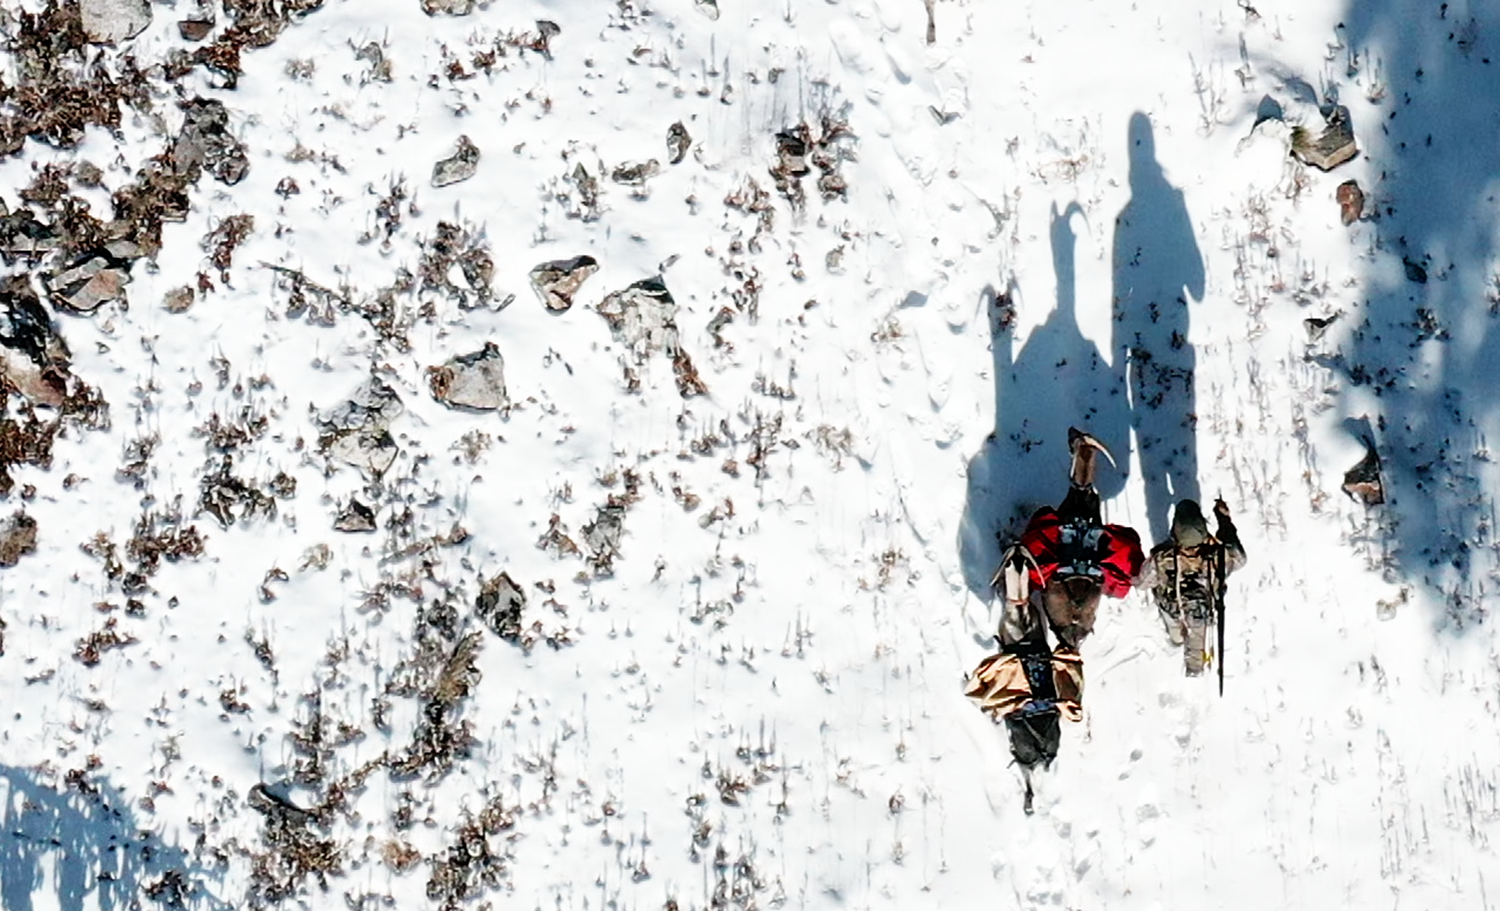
<point x="1423" y="357"/>
<point x="83" y="849"/>
<point x="1058" y="380"/>
<point x="1158" y="273"/>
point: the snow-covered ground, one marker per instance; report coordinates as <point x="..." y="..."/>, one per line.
<point x="754" y="578"/>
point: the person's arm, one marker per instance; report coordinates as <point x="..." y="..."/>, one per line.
<point x="1229" y="536"/>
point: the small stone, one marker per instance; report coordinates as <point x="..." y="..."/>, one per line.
<point x="678" y="142"/>
<point x="1332" y="147"/>
<point x="357" y="432"/>
<point x="89" y="175"/>
<point x="124" y="249"/>
<point x="33" y="357"/>
<point x="1351" y="201"/>
<point x="17" y="538"/>
<point x="471" y="381"/>
<point x="205" y="142"/>
<point x="113" y="21"/>
<point x="179" y="300"/>
<point x="604" y="533"/>
<point x="499" y="606"/>
<point x="22" y="234"/>
<point x="356" y="517"/>
<point x="1363" y="483"/>
<point x="195" y="29"/>
<point x="1387" y="608"/>
<point x="635" y="173"/>
<point x="1414" y="270"/>
<point x="709" y="8"/>
<point x="449" y="7"/>
<point x="88" y="285"/>
<point x="791" y="153"/>
<point x="546" y="30"/>
<point x="1317" y="326"/>
<point x="557" y="281"/>
<point x="460" y="167"/>
<point x="24" y="323"/>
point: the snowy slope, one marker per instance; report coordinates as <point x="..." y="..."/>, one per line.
<point x="757" y="701"/>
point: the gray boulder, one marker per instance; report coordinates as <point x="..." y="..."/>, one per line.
<point x="556" y="282"/>
<point x="474" y="381"/>
<point x="113" y="21"/>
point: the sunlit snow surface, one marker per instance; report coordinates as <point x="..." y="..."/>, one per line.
<point x="759" y="703"/>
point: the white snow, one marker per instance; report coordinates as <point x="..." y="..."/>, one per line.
<point x="757" y="702"/>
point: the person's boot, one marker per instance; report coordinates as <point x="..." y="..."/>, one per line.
<point x="1012" y="580"/>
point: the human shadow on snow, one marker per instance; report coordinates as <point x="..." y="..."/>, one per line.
<point x="83" y="849"/>
<point x="1057" y="379"/>
<point x="1426" y="342"/>
<point x="1158" y="277"/>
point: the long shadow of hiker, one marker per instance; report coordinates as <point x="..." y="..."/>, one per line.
<point x="1157" y="269"/>
<point x="93" y="848"/>
<point x="1058" y="380"/>
<point x="1421" y="351"/>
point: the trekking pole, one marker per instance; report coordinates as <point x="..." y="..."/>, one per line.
<point x="1220" y="584"/>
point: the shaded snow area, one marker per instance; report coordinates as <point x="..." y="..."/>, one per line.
<point x="550" y="454"/>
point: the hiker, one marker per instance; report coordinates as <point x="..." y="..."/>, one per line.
<point x="1027" y="685"/>
<point x="1076" y="557"/>
<point x="1186" y="576"/>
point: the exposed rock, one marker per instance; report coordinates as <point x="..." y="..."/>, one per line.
<point x="264" y="800"/>
<point x="449" y="7"/>
<point x="643" y="316"/>
<point x="23" y="235"/>
<point x="458" y="168"/>
<point x="113" y="21"/>
<point x="1414" y="270"/>
<point x="87" y="285"/>
<point x="205" y="143"/>
<point x="801" y="148"/>
<point x="89" y="175"/>
<point x="1317" y="326"/>
<point x="1332" y="147"/>
<point x="499" y="606"/>
<point x="357" y="431"/>
<point x="471" y="381"/>
<point x="195" y="29"/>
<point x="17" y="538"/>
<point x="1351" y="201"/>
<point x="1364" y="483"/>
<point x="557" y="281"/>
<point x="546" y="30"/>
<point x="678" y="142"/>
<point x="603" y="536"/>
<point x="709" y="8"/>
<point x="635" y="173"/>
<point x="25" y="326"/>
<point x="355" y="517"/>
<point x="179" y="299"/>
<point x="585" y="204"/>
<point x="230" y="498"/>
<point x="791" y="153"/>
<point x="33" y="357"/>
